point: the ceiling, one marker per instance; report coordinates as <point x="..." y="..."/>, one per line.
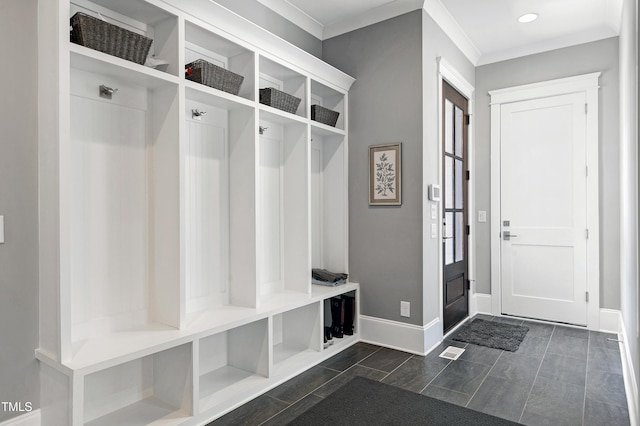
<point x="486" y="31"/>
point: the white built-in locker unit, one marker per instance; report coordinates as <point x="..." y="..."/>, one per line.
<point x="177" y="247"/>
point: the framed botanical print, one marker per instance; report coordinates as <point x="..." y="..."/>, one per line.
<point x="385" y="167"/>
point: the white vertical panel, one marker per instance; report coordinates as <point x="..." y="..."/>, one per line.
<point x="316" y="203"/>
<point x="296" y="218"/>
<point x="334" y="210"/>
<point x="108" y="215"/>
<point x="206" y="203"/>
<point x="271" y="209"/>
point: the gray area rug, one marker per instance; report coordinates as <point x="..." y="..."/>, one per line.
<point x="495" y="335"/>
<point x="367" y="402"/>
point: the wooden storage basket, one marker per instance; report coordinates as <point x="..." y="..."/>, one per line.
<point x="324" y="115"/>
<point x="278" y="99"/>
<point x="104" y="37"/>
<point x="211" y="75"/>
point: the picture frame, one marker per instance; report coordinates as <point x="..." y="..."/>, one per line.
<point x="385" y="175"/>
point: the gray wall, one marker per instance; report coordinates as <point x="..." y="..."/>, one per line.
<point x="394" y="99"/>
<point x="18" y="204"/>
<point x="385" y="101"/>
<point x="628" y="181"/>
<point x="266" y="18"/>
<point x="586" y="58"/>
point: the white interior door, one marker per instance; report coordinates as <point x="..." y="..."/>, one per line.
<point x="543" y="208"/>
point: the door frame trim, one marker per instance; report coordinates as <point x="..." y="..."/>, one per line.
<point x="448" y="72"/>
<point x="587" y="84"/>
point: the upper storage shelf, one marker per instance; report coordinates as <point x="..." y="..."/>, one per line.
<point x="330" y="99"/>
<point x="138" y="17"/>
<point x="201" y="44"/>
<point x="292" y="84"/>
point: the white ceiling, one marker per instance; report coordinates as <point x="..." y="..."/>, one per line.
<point x="487" y="30"/>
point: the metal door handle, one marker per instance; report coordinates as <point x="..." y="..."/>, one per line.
<point x="507" y="235"/>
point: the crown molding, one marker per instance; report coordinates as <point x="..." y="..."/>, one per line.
<point x="295" y="16"/>
<point x="445" y="21"/>
<point x="370" y="17"/>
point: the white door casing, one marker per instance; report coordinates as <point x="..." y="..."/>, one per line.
<point x="548" y="130"/>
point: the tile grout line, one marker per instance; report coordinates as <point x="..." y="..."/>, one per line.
<point x="485" y="378"/>
<point x="537" y="372"/>
<point x="401" y="364"/>
<point x="310" y="393"/>
<point x="443" y="368"/>
<point x="436" y="376"/>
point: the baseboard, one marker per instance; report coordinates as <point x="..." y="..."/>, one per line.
<point x="31" y="418"/>
<point x="630" y="383"/>
<point x="610" y="320"/>
<point x="480" y="303"/>
<point x="410" y="338"/>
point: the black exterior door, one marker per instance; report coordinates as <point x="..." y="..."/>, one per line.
<point x="454" y="199"/>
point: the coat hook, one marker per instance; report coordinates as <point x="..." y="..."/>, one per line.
<point x="107" y="92"/>
<point x="262" y="129"/>
<point x="196" y="114"/>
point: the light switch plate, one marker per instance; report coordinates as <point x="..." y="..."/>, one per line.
<point x="482" y="216"/>
<point x="1" y="229"/>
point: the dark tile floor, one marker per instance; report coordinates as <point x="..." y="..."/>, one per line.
<point x="558" y="376"/>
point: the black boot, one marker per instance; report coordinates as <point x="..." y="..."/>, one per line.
<point x="328" y="336"/>
<point x="336" y="317"/>
<point x="349" y="311"/>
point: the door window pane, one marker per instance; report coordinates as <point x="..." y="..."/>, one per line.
<point x="448" y="182"/>
<point x="447" y="233"/>
<point x="448" y="126"/>
<point x="459" y="237"/>
<point x="459" y="132"/>
<point x="459" y="189"/>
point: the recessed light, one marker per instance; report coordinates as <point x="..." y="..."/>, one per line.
<point x="528" y="17"/>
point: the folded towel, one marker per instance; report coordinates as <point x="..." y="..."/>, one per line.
<point x="327" y="276"/>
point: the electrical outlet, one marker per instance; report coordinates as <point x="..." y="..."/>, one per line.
<point x="405" y="309"/>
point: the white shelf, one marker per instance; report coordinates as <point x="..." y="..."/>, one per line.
<point x="209" y="95"/>
<point x="321" y="129"/>
<point x="149" y="411"/>
<point x="85" y="59"/>
<point x="274" y="115"/>
<point x="219" y="388"/>
<point x="97" y="354"/>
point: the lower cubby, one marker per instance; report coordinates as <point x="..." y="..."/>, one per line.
<point x="232" y="363"/>
<point x="155" y="389"/>
<point x="340" y="311"/>
<point x="296" y="333"/>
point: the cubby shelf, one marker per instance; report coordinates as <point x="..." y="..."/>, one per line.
<point x="185" y="220"/>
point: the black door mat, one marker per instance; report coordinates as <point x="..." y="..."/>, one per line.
<point x="491" y="334"/>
